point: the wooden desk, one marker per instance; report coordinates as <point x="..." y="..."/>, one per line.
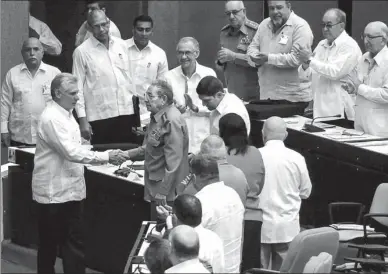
<point x="114" y="211"/>
<point x="339" y="171"/>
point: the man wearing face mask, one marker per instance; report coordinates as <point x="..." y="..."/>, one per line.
<point x="184" y="80"/>
<point x="240" y="74"/>
<point x="85" y="32"/>
<point x="102" y="67"/>
<point x="333" y="60"/>
<point x="147" y="61"/>
<point x="274" y="50"/>
<point x="370" y="82"/>
<point x="24" y="94"/>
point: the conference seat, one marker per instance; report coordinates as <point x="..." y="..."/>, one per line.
<point x="306" y="244"/>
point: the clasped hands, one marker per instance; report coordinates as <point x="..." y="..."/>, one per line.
<point x="117" y="157"/>
<point x="188" y="104"/>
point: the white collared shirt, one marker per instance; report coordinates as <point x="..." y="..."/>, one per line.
<point x="211" y="249"/>
<point x="50" y="42"/>
<point x="372" y="97"/>
<point x="23" y="98"/>
<point x="83" y="34"/>
<point x="331" y="64"/>
<point x="105" y="86"/>
<point x="223" y="213"/>
<point x="287" y="182"/>
<point x="198" y="124"/>
<point x="189" y="266"/>
<point x="145" y="66"/>
<point x="229" y="104"/>
<point x="58" y="175"/>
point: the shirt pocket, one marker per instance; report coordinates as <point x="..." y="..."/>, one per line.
<point x="20" y="94"/>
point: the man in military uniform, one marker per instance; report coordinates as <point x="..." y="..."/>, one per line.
<point x="240" y="74"/>
<point x="165" y="147"/>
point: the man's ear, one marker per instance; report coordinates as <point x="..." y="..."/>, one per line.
<point x="196" y="54"/>
<point x="285" y="136"/>
<point x="104" y="10"/>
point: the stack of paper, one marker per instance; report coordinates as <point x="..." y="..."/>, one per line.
<point x="351" y="227"/>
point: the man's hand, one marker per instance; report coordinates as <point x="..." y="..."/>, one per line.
<point x="349" y="86"/>
<point x="6" y="139"/>
<point x="160" y="200"/>
<point x="304" y="54"/>
<point x="260" y="58"/>
<point x="225" y="55"/>
<point x="163" y="211"/>
<point x="85" y="128"/>
<point x="117" y="157"/>
<point x="181" y="108"/>
<point x="33" y="33"/>
<point x="190" y="104"/>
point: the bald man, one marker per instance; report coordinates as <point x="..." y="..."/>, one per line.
<point x="370" y="83"/>
<point x="287" y="182"/>
<point x="333" y="60"/>
<point x="240" y="74"/>
<point x="184" y="251"/>
<point x="229" y="174"/>
<point x="24" y="94"/>
<point x="102" y="67"/>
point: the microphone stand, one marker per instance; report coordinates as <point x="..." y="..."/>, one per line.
<point x="309" y="127"/>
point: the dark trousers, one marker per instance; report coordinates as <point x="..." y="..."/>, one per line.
<point x="114" y="130"/>
<point x="251" y="245"/>
<point x="19" y="144"/>
<point x="61" y="226"/>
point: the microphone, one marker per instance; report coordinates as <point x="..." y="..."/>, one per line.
<point x="311" y="128"/>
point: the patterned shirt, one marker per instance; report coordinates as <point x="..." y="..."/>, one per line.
<point x="23" y="98"/>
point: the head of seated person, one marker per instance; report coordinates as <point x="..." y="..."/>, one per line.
<point x="187" y="210"/>
<point x="214" y="146"/>
<point x="184" y="244"/>
<point x="157" y="256"/>
<point x="205" y="169"/>
<point x="233" y="131"/>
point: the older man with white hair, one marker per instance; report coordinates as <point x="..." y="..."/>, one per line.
<point x="370" y="83"/>
<point x="58" y="183"/>
<point x="333" y="60"/>
<point x="184" y="80"/>
<point x="240" y="74"/>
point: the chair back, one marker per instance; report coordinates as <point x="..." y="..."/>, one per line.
<point x="380" y="203"/>
<point x="310" y="243"/>
<point x="323" y="263"/>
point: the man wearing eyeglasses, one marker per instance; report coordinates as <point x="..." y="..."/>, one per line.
<point x="102" y="67"/>
<point x="184" y="80"/>
<point x="274" y="50"/>
<point x="333" y="60"/>
<point x="232" y="59"/>
<point x="370" y="82"/>
<point x="84" y="32"/>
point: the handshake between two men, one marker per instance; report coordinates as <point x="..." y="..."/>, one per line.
<point x="117" y="157"/>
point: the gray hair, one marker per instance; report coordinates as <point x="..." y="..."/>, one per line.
<point x="340" y="14"/>
<point x="189" y="39"/>
<point x="163" y="88"/>
<point x="61" y="82"/>
<point x="213" y="146"/>
<point x="93" y="14"/>
<point x="205" y="165"/>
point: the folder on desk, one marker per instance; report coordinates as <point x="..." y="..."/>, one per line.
<point x="351" y="227"/>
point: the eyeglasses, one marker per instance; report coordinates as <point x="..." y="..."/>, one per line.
<point x="187" y="53"/>
<point x="234" y="12"/>
<point x="369" y="37"/>
<point x="329" y="26"/>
